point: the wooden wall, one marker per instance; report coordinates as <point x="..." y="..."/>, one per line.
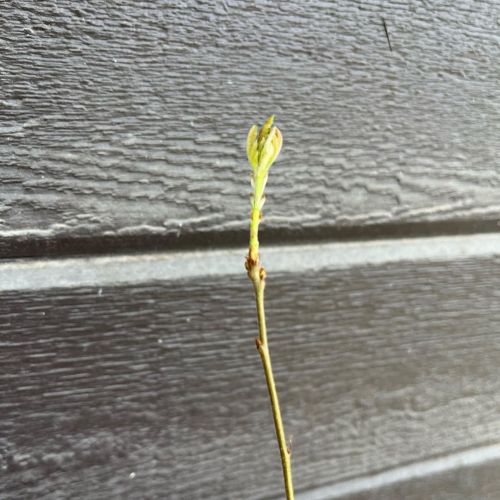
<point x="127" y="362"/>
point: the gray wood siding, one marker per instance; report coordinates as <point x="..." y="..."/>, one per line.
<point x="128" y="367"/>
<point x="466" y="481"/>
<point x="130" y="118"/>
<point x="377" y="366"/>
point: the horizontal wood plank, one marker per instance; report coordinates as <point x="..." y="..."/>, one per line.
<point x="154" y="390"/>
<point x="129" y="120"/>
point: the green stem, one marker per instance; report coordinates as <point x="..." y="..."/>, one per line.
<point x="257" y="274"/>
<point x="254" y="234"/>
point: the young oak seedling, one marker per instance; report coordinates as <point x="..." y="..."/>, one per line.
<point x="263" y="147"/>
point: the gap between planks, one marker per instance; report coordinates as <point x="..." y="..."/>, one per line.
<point x="101" y="271"/>
<point x="419" y="470"/>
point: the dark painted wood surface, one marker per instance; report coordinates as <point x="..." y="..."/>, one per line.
<point x="156" y="391"/>
<point x="472" y="482"/>
<point x="130" y="117"/>
<point x="122" y="129"/>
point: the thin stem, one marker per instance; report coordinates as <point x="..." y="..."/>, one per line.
<point x="257" y="275"/>
<point x="254" y="235"/>
<point x="262" y="149"/>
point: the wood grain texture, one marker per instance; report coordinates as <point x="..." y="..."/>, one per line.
<point x="155" y="391"/>
<point x="129" y="118"/>
<point x="479" y="482"/>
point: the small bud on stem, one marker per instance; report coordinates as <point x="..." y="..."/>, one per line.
<point x="263" y="147"/>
